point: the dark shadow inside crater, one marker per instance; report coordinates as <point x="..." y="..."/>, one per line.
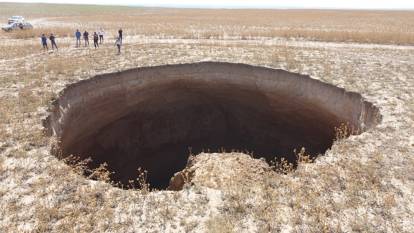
<point x="151" y="117"/>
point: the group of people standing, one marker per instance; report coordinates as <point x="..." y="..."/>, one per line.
<point x="98" y="38"/>
<point x="52" y="39"/>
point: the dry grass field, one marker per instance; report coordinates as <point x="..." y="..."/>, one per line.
<point x="385" y="27"/>
<point x="364" y="183"/>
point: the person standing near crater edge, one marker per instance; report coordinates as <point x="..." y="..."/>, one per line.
<point x="44" y="42"/>
<point x="86" y="38"/>
<point x="95" y="40"/>
<point x="118" y="44"/>
<point x="120" y="34"/>
<point x="101" y="34"/>
<point x="52" y="39"/>
<point x="78" y="35"/>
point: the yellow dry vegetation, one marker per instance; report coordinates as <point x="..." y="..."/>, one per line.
<point x="384" y="27"/>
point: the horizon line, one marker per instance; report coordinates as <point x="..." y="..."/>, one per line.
<point x="215" y="7"/>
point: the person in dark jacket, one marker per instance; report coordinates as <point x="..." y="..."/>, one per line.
<point x="120" y="34"/>
<point x="78" y="35"/>
<point x="44" y="42"/>
<point x="95" y="40"/>
<point x="86" y="38"/>
<point x="52" y="41"/>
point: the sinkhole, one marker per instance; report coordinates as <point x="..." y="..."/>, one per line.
<point x="151" y="117"/>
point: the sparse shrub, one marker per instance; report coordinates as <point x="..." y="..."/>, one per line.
<point x="302" y="157"/>
<point x="101" y="173"/>
<point x="342" y="131"/>
<point x="143" y="180"/>
<point x="281" y="166"/>
<point x="80" y="166"/>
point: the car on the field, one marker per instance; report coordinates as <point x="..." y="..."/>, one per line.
<point x="15" y="19"/>
<point x="16" y="22"/>
<point x="14" y="26"/>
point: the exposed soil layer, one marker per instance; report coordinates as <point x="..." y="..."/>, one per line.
<point x="151" y="117"/>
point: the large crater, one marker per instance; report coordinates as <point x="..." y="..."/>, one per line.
<point x="150" y="117"/>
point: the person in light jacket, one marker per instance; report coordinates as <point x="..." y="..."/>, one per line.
<point x="118" y="44"/>
<point x="101" y="34"/>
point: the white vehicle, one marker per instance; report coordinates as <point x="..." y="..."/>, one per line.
<point x="15" y="19"/>
<point x="14" y="26"/>
<point x="16" y="22"/>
